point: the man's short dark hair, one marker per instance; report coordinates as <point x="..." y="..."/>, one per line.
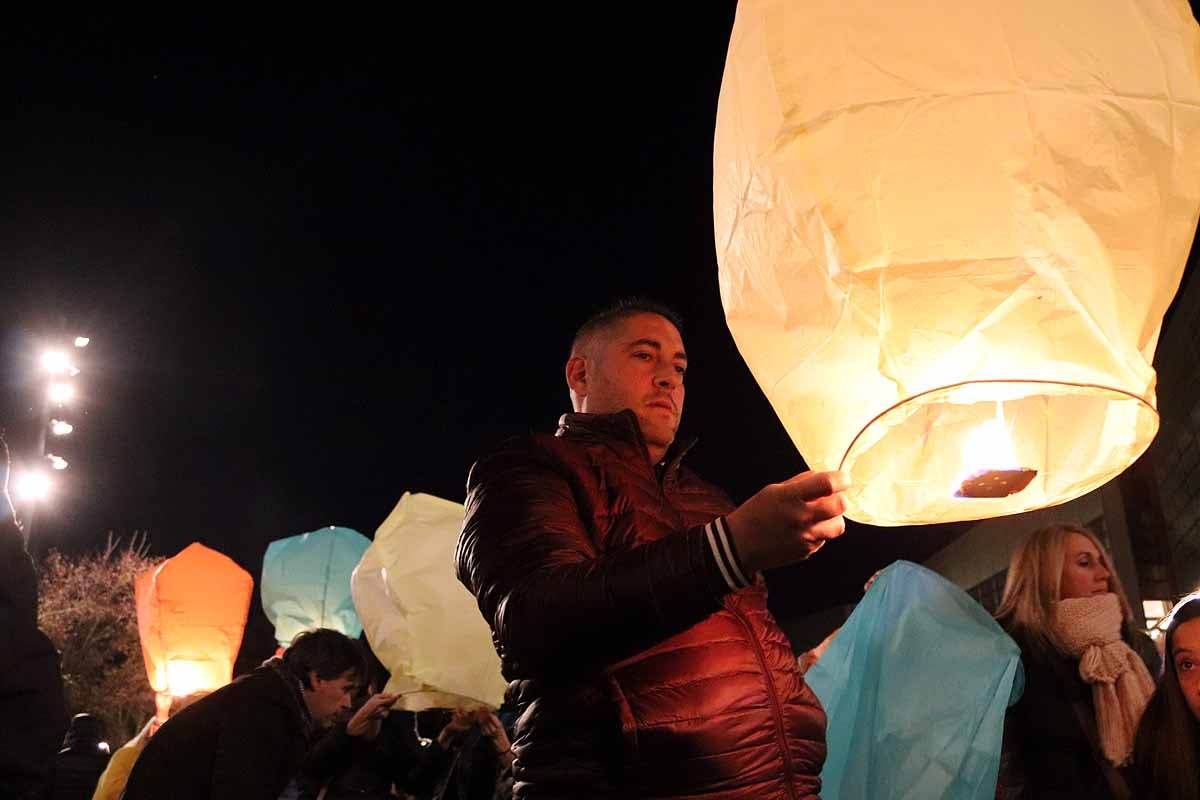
<point x="606" y="318"/>
<point x="326" y="652"/>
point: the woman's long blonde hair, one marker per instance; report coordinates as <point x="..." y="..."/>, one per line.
<point x="1034" y="584"/>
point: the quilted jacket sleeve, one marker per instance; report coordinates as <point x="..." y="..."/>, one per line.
<point x="555" y="604"/>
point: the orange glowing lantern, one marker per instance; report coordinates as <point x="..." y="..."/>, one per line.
<point x="947" y="235"/>
<point x="192" y="612"/>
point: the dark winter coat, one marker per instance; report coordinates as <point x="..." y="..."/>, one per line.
<point x="642" y="662"/>
<point x="1049" y="752"/>
<point x="76" y="773"/>
<point x="244" y="741"/>
<point x="474" y="772"/>
<point x="354" y="767"/>
<point x="31" y="689"/>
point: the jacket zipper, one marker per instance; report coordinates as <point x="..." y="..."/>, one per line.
<point x="788" y="769"/>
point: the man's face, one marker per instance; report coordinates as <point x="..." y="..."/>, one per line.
<point x="639" y="365"/>
<point x="328" y="698"/>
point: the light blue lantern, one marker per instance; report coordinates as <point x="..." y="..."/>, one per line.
<point x="915" y="686"/>
<point x="306" y="582"/>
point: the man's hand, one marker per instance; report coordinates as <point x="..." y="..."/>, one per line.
<point x="368" y="720"/>
<point x="871" y="580"/>
<point x="459" y="723"/>
<point x="788" y="522"/>
<point x="491" y="727"/>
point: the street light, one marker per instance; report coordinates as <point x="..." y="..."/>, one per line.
<point x="33" y="486"/>
<point x="55" y="361"/>
<point x="36" y="486"/>
<point x="61" y="393"/>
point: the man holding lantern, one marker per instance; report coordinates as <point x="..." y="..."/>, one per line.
<point x="624" y="595"/>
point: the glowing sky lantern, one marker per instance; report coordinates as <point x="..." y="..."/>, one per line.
<point x="947" y="234"/>
<point x="421" y="622"/>
<point x="306" y="582"/>
<point x="191" y="612"/>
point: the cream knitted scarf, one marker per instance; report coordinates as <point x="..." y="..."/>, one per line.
<point x="1090" y="628"/>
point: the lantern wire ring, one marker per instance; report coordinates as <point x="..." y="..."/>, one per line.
<point x="907" y="400"/>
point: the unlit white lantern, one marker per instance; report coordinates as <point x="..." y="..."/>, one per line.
<point x="950" y="222"/>
<point x="421" y="622"/>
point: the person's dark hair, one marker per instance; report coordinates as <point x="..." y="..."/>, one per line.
<point x="1166" y="753"/>
<point x="604" y="319"/>
<point x="326" y="652"/>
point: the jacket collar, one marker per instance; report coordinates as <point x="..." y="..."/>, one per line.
<point x="295" y="692"/>
<point x="623" y="427"/>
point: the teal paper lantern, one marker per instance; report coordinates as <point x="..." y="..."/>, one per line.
<point x="915" y="686"/>
<point x="306" y="582"/>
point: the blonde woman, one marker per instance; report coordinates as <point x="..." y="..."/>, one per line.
<point x="1087" y="670"/>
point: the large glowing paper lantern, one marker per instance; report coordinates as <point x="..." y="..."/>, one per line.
<point x="948" y="221"/>
<point x="191" y="612"/>
<point x="306" y="582"/>
<point x="421" y="622"/>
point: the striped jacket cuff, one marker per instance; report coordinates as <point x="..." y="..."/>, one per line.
<point x="721" y="545"/>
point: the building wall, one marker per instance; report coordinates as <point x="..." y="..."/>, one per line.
<point x="1175" y="454"/>
<point x="978" y="560"/>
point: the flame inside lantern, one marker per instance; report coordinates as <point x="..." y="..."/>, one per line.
<point x="185" y="677"/>
<point x="989" y="462"/>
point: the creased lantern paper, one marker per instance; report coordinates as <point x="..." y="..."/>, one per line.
<point x="928" y="214"/>
<point x="191" y="613"/>
<point x="421" y="622"/>
<point x="306" y="582"/>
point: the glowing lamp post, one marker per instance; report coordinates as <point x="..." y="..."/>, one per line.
<point x="192" y="612"/>
<point x="947" y="234"/>
<point x="306" y="582"/>
<point x="33" y="486"/>
<point x="36" y="487"/>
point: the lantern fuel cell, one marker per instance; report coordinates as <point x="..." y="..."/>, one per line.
<point x="925" y="209"/>
<point x="995" y="483"/>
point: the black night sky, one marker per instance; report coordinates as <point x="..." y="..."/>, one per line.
<point x="323" y="262"/>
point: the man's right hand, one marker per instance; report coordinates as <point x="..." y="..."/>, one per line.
<point x="460" y="722"/>
<point x="368" y="720"/>
<point x="788" y="522"/>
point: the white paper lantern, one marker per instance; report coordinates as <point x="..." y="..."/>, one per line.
<point x="421" y="622"/>
<point x="941" y="221"/>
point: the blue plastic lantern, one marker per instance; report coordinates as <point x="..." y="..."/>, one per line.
<point x="915" y="686"/>
<point x="306" y="582"/>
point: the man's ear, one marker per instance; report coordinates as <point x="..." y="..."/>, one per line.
<point x="577" y="379"/>
<point x="312" y="680"/>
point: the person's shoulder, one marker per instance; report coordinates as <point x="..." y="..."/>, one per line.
<point x="1033" y="652"/>
<point x="525" y="445"/>
<point x="247" y="694"/>
<point x="1140" y="642"/>
<point x="260" y="700"/>
<point x="529" y="451"/>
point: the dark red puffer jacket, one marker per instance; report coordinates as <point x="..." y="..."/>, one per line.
<point x="640" y="665"/>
